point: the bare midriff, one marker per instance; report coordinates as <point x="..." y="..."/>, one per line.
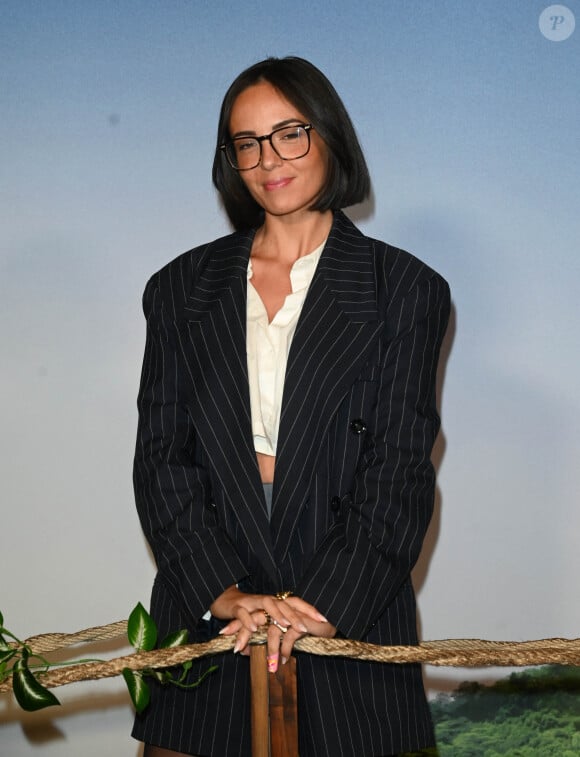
<point x="266" y="464"/>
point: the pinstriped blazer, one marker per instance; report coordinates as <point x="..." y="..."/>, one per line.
<point x="353" y="489"/>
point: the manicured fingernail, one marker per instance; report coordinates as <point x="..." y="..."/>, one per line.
<point x="302" y="628"/>
<point x="322" y="619"/>
<point x="272" y="661"/>
<point x="237" y="647"/>
<point x="284" y="660"/>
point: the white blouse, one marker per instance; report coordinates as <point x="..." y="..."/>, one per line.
<point x="268" y="345"/>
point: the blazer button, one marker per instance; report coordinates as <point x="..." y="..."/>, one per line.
<point x="358" y="426"/>
<point x="335" y="504"/>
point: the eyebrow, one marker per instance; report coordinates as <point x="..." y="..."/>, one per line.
<point x="279" y="125"/>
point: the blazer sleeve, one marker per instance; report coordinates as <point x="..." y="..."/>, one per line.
<point x="195" y="559"/>
<point x="370" y="551"/>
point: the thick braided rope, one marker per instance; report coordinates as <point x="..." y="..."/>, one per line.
<point x="50" y="642"/>
<point x="447" y="652"/>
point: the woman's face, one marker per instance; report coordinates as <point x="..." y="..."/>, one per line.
<point x="281" y="187"/>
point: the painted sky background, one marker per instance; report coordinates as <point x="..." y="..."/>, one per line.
<point x="469" y="118"/>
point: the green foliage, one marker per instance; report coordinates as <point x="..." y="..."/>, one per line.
<point x="138" y="689"/>
<point x="175" y="639"/>
<point x="30" y="694"/>
<point x="142" y="633"/>
<point x="141" y="629"/>
<point x="534" y="712"/>
<point x="15" y="657"/>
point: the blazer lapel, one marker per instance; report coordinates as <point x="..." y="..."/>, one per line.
<point x="215" y="350"/>
<point x="337" y="329"/>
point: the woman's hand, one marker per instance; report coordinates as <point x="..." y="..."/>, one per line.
<point x="290" y="619"/>
<point x="280" y="644"/>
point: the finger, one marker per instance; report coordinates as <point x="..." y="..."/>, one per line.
<point x="242" y="640"/>
<point x="300" y="605"/>
<point x="283" y="616"/>
<point x="297" y="620"/>
<point x="324" y="630"/>
<point x="273" y="661"/>
<point x="273" y="649"/>
<point x="274" y="609"/>
<point x="258" y="617"/>
<point x="246" y="619"/>
<point x="231" y="628"/>
<point x="288" y="644"/>
<point x="262" y="618"/>
<point x="255" y="604"/>
<point x="279" y="626"/>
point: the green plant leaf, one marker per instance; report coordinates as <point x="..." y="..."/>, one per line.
<point x="138" y="689"/>
<point x="1" y="619"/>
<point x="6" y="655"/>
<point x="175" y="639"/>
<point x="3" y="644"/>
<point x="185" y="668"/>
<point x="141" y="629"/>
<point x="29" y="693"/>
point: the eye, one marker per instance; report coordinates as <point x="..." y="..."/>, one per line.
<point x="243" y="145"/>
<point x="290" y="135"/>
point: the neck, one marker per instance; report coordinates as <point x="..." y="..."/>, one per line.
<point x="288" y="239"/>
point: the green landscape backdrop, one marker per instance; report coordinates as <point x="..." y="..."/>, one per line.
<point x="535" y="712"/>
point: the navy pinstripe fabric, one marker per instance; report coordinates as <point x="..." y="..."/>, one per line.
<point x="353" y="489"/>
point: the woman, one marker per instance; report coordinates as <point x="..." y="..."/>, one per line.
<point x="287" y="415"/>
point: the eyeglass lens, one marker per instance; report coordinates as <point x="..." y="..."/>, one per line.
<point x="289" y="143"/>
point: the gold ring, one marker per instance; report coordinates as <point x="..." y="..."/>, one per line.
<point x="282" y="595"/>
<point x="268" y="617"/>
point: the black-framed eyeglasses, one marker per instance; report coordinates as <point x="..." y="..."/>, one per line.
<point x="288" y="142"/>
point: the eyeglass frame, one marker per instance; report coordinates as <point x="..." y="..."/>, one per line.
<point x="268" y="138"/>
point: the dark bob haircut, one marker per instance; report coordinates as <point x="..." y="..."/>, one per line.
<point x="308" y="89"/>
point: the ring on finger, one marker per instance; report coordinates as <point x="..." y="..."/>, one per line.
<point x="278" y="625"/>
<point x="268" y="617"/>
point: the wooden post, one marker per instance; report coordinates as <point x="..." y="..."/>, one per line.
<point x="259" y="687"/>
<point x="274" y="706"/>
<point x="283" y="711"/>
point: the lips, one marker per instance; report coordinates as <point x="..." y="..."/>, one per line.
<point x="273" y="185"/>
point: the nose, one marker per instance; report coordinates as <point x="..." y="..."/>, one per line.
<point x="270" y="158"/>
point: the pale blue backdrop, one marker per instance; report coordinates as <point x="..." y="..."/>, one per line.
<point x="469" y="117"/>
